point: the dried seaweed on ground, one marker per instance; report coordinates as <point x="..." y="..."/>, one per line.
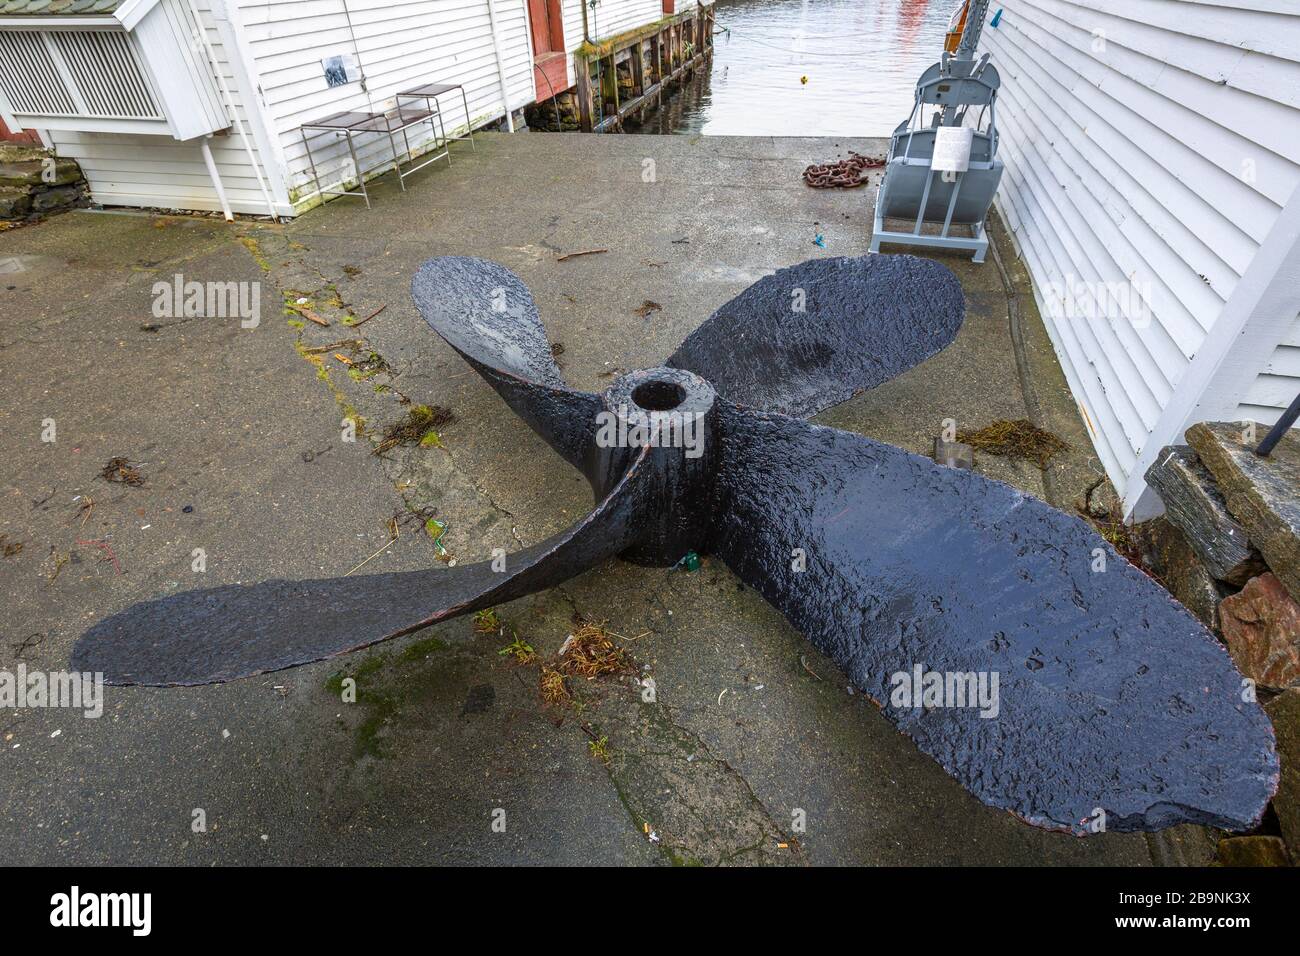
<point x="1015" y="439"/>
<point x="120" y="471"/>
<point x="554" y="689"/>
<point x="591" y="652"/>
<point x="415" y="427"/>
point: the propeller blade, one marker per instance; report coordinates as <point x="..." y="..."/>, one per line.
<point x="486" y="313"/>
<point x="1110" y="695"/>
<point x="225" y="633"/>
<point x="813" y="335"/>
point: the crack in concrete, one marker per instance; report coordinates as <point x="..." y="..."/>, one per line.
<point x="701" y="809"/>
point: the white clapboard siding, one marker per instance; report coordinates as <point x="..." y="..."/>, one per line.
<point x="612" y="17"/>
<point x="1278" y="383"/>
<point x="398" y="44"/>
<point x="158" y="171"/>
<point x="1150" y="146"/>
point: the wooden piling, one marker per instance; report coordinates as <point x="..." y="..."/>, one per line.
<point x="658" y="57"/>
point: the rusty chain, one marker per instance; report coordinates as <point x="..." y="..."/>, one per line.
<point x="843" y="174"/>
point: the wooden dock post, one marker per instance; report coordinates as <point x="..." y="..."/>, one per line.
<point x="657" y="57"/>
<point x="582" y="72"/>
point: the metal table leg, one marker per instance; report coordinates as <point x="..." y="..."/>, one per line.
<point x="406" y="142"/>
<point x="469" y="125"/>
<point x="315" y="176"/>
<point x="397" y="166"/>
<point x="442" y="132"/>
<point x="356" y="168"/>
<point x="438" y="129"/>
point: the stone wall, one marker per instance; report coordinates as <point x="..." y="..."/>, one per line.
<point x="1228" y="547"/>
<point x="34" y="183"/>
<point x="542" y="116"/>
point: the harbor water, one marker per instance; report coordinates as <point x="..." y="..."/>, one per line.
<point x="808" y="68"/>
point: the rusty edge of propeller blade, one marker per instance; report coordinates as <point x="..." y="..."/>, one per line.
<point x="1111" y="697"/>
<point x="225" y="633"/>
<point x="815" y="334"/>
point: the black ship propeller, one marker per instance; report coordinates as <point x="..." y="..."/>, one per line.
<point x="1112" y="702"/>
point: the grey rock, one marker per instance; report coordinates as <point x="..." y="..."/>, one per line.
<point x="1253" y="851"/>
<point x="14" y="203"/>
<point x="39" y="172"/>
<point x="1180" y="569"/>
<point x="1194" y="505"/>
<point x="60" y="197"/>
<point x="1262" y="493"/>
<point x="20" y="174"/>
<point x="21" y="153"/>
<point x="1284" y="711"/>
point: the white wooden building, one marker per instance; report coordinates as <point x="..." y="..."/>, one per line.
<point x="1152" y="152"/>
<point x="143" y="93"/>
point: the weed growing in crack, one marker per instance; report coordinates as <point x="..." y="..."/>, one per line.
<point x="520" y="649"/>
<point x="555" y="691"/>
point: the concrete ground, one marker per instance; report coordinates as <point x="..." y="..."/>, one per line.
<point x="753" y="731"/>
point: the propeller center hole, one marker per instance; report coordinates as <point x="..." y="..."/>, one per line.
<point x="658" y="396"/>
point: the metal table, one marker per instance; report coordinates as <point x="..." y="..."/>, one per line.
<point x="430" y="92"/>
<point x="391" y="123"/>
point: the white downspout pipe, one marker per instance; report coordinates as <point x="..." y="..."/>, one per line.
<point x="233" y="114"/>
<point x="216" y="178"/>
<point x="243" y="80"/>
<point x="501" y="65"/>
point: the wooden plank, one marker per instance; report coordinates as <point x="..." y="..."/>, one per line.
<point x="586" y="108"/>
<point x="638" y="69"/>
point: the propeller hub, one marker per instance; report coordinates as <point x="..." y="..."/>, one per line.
<point x="664" y="394"/>
<point x="672" y="412"/>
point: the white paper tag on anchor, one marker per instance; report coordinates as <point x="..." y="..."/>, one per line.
<point x="952" y="146"/>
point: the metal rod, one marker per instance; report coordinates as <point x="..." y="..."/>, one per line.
<point x="925" y="202"/>
<point x="970" y="36"/>
<point x="356" y="167"/>
<point x="302" y="131"/>
<point x="1279" y="428"/>
<point x="952" y="203"/>
<point x="397" y="165"/>
<point x="356" y="50"/>
<point x="469" y="123"/>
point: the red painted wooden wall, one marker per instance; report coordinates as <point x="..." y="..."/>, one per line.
<point x="8" y="137"/>
<point x="549" y="73"/>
